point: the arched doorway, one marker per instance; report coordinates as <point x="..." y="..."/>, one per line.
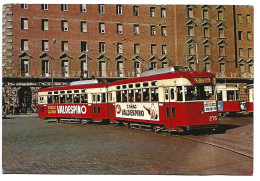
<point x="25" y="99"/>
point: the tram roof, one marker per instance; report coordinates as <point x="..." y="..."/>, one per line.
<point x="190" y="75"/>
<point x="69" y="87"/>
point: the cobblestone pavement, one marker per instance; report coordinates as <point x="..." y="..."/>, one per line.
<point x="31" y="145"/>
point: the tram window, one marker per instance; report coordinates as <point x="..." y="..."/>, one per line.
<point x="146" y="96"/>
<point x="56" y="92"/>
<point x="137" y="85"/>
<point x="124" y="96"/>
<point x="118" y="96"/>
<point x="62" y="98"/>
<point x="237" y="96"/>
<point x="230" y="95"/>
<point x="69" y="98"/>
<point x="109" y="96"/>
<point x="62" y="92"/>
<point x="50" y="99"/>
<point x="56" y="99"/>
<point x="98" y="109"/>
<point x="98" y="98"/>
<point x="49" y="92"/>
<point x="131" y="96"/>
<point x="76" y="91"/>
<point x="138" y="93"/>
<point x="154" y="83"/>
<point x="83" y="91"/>
<point x="172" y="94"/>
<point x="76" y="98"/>
<point x="166" y="94"/>
<point x="179" y="93"/>
<point x="124" y="86"/>
<point x="154" y="94"/>
<point x="219" y="95"/>
<point x="103" y="97"/>
<point x="145" y="84"/>
<point x="118" y="87"/>
<point x="84" y="98"/>
<point x="93" y="98"/>
<point x="173" y="111"/>
<point x="69" y="91"/>
<point x="131" y="86"/>
<point x="167" y="111"/>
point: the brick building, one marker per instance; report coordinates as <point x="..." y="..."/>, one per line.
<point x="45" y="43"/>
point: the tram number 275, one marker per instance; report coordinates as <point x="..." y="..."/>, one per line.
<point x="213" y="118"/>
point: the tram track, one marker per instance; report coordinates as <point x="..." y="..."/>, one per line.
<point x="231" y="145"/>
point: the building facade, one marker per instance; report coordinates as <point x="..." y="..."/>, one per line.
<point x="54" y="44"/>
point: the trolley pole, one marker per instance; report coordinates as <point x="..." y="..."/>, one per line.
<point x="197" y="57"/>
<point x="53" y="41"/>
<point x="86" y="64"/>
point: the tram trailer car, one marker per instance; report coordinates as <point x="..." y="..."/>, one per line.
<point x="85" y="102"/>
<point x="250" y="102"/>
<point x="173" y="101"/>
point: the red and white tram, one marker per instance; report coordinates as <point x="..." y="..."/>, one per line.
<point x="250" y="102"/>
<point x="162" y="99"/>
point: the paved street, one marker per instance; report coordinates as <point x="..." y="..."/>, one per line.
<point x="31" y="145"/>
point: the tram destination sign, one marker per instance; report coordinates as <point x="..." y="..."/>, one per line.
<point x="145" y="111"/>
<point x="210" y="106"/>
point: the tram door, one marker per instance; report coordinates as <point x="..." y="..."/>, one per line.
<point x="170" y="99"/>
<point x="97" y="106"/>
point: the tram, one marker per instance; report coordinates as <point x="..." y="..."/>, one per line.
<point x="170" y="99"/>
<point x="228" y="99"/>
<point x="250" y="102"/>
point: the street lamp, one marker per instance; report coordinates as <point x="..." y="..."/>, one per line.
<point x="53" y="41"/>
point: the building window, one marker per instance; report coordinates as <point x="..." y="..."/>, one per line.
<point x="206" y="32"/>
<point x="65" y="68"/>
<point x="191" y="49"/>
<point x="153" y="30"/>
<point x="64" y="25"/>
<point x="45" y="26"/>
<point x="64" y="7"/>
<point x="191" y="31"/>
<point x="120" y="69"/>
<point x="164" y="64"/>
<point x="119" y="9"/>
<point x="83" y="8"/>
<point x="222" y="68"/>
<point x="163" y="30"/>
<point x="101" y="9"/>
<point x="207" y="67"/>
<point x="248" y="18"/>
<point x="119" y="47"/>
<point x="163" y="12"/>
<point x="249" y="35"/>
<point x="136" y="30"/>
<point x="102" y="47"/>
<point x="192" y="65"/>
<point x="24" y="23"/>
<point x="24" y="67"/>
<point x="154" y="65"/>
<point x="239" y="18"/>
<point x="24" y="44"/>
<point x="153" y="49"/>
<point x="84" y="69"/>
<point x="119" y="29"/>
<point x="221" y="33"/>
<point x="241" y="69"/>
<point x="220" y="15"/>
<point x="205" y="14"/>
<point x="164" y="49"/>
<point x="24" y="6"/>
<point x="64" y="46"/>
<point x="101" y="27"/>
<point x="206" y="50"/>
<point x="136" y="48"/>
<point x="240" y="52"/>
<point x="190" y="13"/>
<point x="83" y="26"/>
<point x="45" y="68"/>
<point x="136" y="10"/>
<point x="250" y="53"/>
<point x="137" y="69"/>
<point x="45" y="45"/>
<point x="250" y="68"/>
<point x="45" y="7"/>
<point x="84" y="46"/>
<point x="221" y="51"/>
<point x="152" y="11"/>
<point x="240" y="37"/>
